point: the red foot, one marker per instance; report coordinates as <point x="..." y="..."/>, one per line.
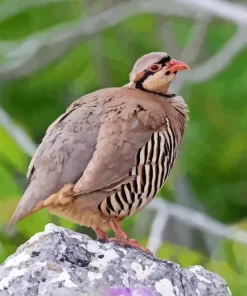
<point x="131" y="243"/>
<point x="122" y="239"/>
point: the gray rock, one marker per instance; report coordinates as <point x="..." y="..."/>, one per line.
<point x="61" y="262"/>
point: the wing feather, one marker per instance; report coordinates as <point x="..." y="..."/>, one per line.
<point x="127" y="124"/>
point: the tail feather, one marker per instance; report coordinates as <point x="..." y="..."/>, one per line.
<point x="25" y="207"/>
<point x="33" y="200"/>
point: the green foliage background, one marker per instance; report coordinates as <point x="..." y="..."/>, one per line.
<point x="214" y="152"/>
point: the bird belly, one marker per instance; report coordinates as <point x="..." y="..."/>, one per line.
<point x="153" y="165"/>
<point x="85" y="217"/>
<point x="82" y="209"/>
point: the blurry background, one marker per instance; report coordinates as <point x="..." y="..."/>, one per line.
<point x="54" y="51"/>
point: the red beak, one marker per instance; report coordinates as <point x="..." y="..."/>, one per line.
<point x="174" y="66"/>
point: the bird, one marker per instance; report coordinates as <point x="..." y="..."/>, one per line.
<point x="110" y="152"/>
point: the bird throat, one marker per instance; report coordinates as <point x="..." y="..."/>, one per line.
<point x="164" y="93"/>
<point x="168" y="95"/>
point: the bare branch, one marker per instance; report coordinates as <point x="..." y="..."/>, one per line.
<point x="191" y="51"/>
<point x="195" y="41"/>
<point x="168" y="37"/>
<point x="10" y="9"/>
<point x="220" y="60"/>
<point x="199" y="220"/>
<point x="158" y="225"/>
<point x="232" y="12"/>
<point x="17" y="133"/>
<point x="39" y="50"/>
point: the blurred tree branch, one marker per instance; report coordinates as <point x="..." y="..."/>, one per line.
<point x="12" y="8"/>
<point x="24" y="58"/>
<point x="17" y="133"/>
<point x="158" y="226"/>
<point x="232" y="12"/>
<point x="192" y="50"/>
<point x="220" y="60"/>
<point x="195" y="41"/>
<point x="198" y="220"/>
<point x="168" y="37"/>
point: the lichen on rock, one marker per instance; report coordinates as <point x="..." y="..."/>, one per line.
<point x="62" y="262"/>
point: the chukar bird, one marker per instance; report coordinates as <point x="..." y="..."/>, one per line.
<point x="108" y="155"/>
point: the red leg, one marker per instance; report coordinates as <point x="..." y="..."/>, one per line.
<point x="101" y="234"/>
<point x="119" y="233"/>
<point x="122" y="239"/>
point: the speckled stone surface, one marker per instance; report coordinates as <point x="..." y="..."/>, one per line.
<point x="61" y="262"/>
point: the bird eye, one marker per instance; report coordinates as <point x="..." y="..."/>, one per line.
<point x="155" y="67"/>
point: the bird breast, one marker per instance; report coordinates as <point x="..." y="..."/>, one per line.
<point x="153" y="165"/>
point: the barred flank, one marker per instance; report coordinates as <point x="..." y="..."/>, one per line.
<point x="154" y="162"/>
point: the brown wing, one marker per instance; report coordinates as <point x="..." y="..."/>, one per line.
<point x="64" y="153"/>
<point x="94" y="141"/>
<point x="127" y="124"/>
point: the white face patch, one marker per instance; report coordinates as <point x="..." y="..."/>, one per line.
<point x="159" y="81"/>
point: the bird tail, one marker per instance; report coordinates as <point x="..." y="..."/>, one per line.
<point x="33" y="200"/>
<point x="27" y="205"/>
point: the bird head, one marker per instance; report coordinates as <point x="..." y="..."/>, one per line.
<point x="155" y="71"/>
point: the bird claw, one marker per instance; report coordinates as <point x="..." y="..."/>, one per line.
<point x="103" y="240"/>
<point x="131" y="243"/>
<point x="122" y="239"/>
